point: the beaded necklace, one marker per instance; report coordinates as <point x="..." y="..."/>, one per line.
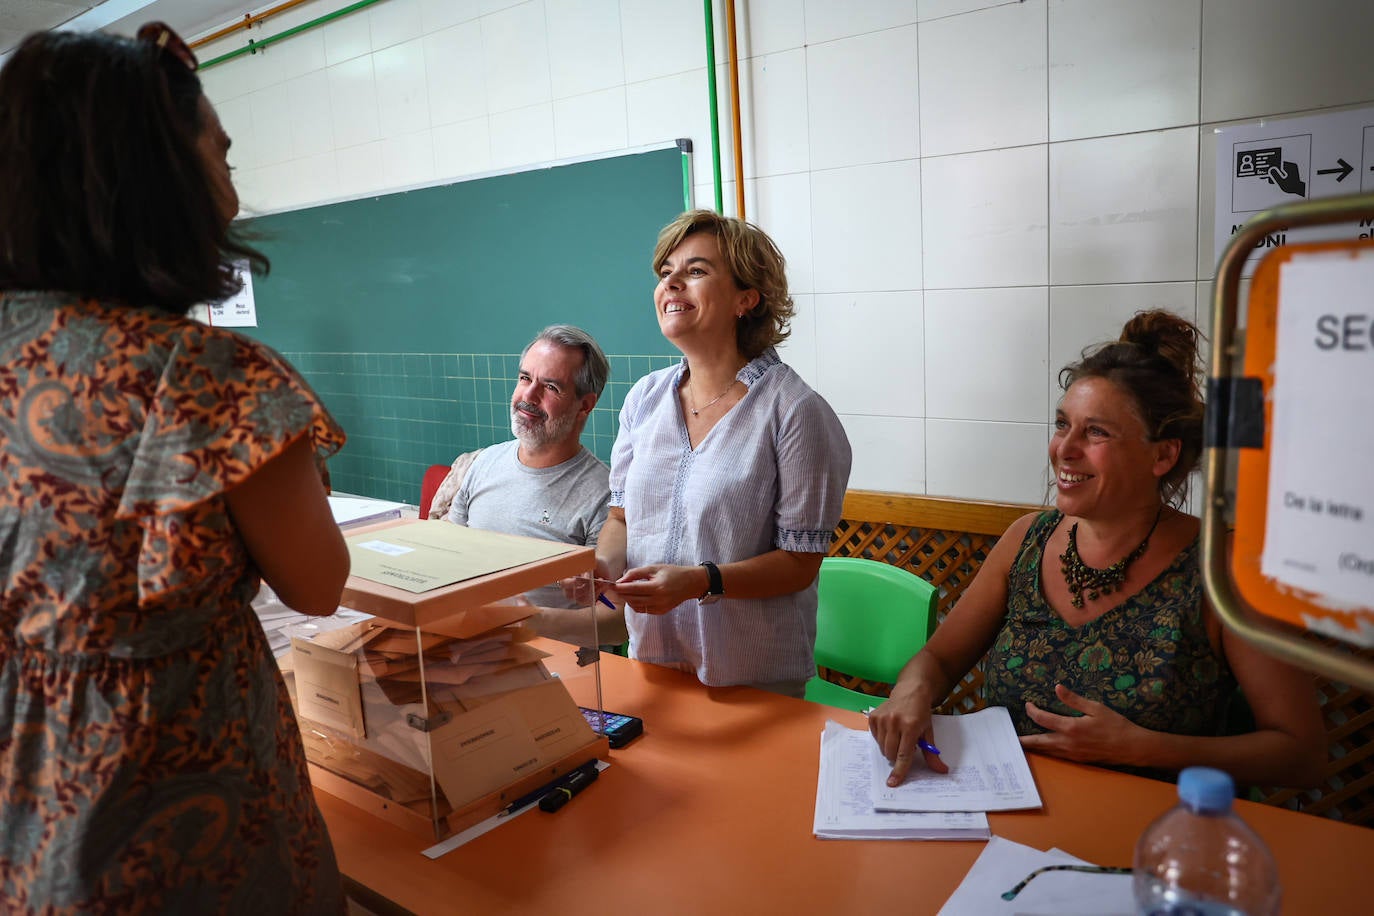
<point x="1081" y="577"/>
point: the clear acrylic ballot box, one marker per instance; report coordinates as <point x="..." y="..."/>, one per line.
<point x="443" y="707"/>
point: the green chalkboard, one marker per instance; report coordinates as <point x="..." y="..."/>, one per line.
<point x="407" y="312"/>
<point x="476" y="266"/>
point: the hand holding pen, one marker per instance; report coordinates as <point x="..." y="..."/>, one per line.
<point x="900" y="734"/>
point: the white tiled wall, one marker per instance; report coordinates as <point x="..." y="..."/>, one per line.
<point x="968" y="192"/>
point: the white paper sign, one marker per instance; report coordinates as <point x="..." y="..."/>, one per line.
<point x="1260" y="166"/>
<point x="239" y="310"/>
<point x="1319" y="534"/>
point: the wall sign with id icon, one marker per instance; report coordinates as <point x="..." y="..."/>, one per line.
<point x="618" y="728"/>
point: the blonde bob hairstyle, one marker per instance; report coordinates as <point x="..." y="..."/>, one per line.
<point x="754" y="262"/>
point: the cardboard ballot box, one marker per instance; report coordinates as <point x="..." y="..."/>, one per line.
<point x="438" y="711"/>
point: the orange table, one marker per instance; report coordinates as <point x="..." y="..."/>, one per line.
<point x="711" y="811"/>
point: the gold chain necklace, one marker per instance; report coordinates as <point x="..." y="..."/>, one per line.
<point x="1081" y="577"/>
<point x="692" y="400"/>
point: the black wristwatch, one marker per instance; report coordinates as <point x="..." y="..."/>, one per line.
<point x="715" y="588"/>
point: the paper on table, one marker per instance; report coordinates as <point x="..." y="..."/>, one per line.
<point x="987" y="769"/>
<point x="428" y="555"/>
<point x="1004" y="864"/>
<point x="352" y="511"/>
<point x="844" y="810"/>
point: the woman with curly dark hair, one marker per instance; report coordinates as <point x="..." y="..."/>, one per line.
<point x="1097" y="635"/>
<point x="153" y="471"/>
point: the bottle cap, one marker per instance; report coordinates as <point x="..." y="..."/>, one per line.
<point x="1206" y="789"/>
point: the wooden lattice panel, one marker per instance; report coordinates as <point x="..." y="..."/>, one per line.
<point x="1347" y="789"/>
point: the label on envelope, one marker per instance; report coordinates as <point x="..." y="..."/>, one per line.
<point x="490" y="747"/>
<point x="327" y="687"/>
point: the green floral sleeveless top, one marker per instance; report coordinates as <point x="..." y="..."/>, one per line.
<point x="1148" y="659"/>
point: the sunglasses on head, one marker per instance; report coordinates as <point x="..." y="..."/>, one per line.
<point x="161" y="36"/>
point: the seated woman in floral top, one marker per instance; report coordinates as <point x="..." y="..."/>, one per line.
<point x="1097" y="635"/>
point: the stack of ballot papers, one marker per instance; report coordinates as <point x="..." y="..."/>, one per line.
<point x="987" y="772"/>
<point x="356" y="511"/>
<point x="1003" y="865"/>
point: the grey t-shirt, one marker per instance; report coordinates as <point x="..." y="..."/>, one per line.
<point x="566" y="502"/>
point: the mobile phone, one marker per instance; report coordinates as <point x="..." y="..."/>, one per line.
<point x="619" y="729"/>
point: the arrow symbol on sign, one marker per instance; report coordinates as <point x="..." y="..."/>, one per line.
<point x="1342" y="167"/>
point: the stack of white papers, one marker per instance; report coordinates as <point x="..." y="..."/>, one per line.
<point x="354" y="511"/>
<point x="844" y="809"/>
<point x="987" y="772"/>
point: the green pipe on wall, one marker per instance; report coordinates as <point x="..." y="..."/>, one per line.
<point x="253" y="46"/>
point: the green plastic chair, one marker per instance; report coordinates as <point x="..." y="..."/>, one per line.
<point x="872" y="617"/>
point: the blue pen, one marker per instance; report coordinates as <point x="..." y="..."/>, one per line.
<point x="606" y="601"/>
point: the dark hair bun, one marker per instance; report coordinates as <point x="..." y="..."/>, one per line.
<point x="1162" y="333"/>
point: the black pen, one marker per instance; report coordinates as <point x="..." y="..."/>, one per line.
<point x="573" y="783"/>
<point x="530" y="798"/>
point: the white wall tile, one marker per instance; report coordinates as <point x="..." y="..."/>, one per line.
<point x="983" y="80"/>
<point x="1004" y="462"/>
<point x="353" y="102"/>
<point x="662" y="38"/>
<point x="298" y="55"/>
<point x="522" y="136"/>
<point x="986" y="220"/>
<point x="985" y="352"/>
<point x="590" y="123"/>
<point x="799" y="349"/>
<point x="889" y="453"/>
<point x="402" y="88"/>
<point x="346" y="38"/>
<point x="394" y="22"/>
<point x="827" y="20"/>
<point x="769" y="26"/>
<point x="312" y="124"/>
<point x="462" y="148"/>
<point x="662" y="110"/>
<point x="1133" y="222"/>
<point x="1120" y="65"/>
<point x="440" y="14"/>
<point x="873" y="344"/>
<point x="408" y="160"/>
<point x="456" y="85"/>
<point x="515" y="55"/>
<point x="781" y="206"/>
<point x="585" y="51"/>
<point x="360" y="169"/>
<point x="939" y="9"/>
<point x="236" y="117"/>
<point x="1263" y="57"/>
<point x="272" y="125"/>
<point x="225" y="81"/>
<point x="863" y="99"/>
<point x="299" y="182"/>
<point x="866" y="227"/>
<point x="1081" y="316"/>
<point x="773" y="94"/>
<point x="493" y="6"/>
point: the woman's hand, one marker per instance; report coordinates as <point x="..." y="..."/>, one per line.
<point x="897" y="726"/>
<point x="1100" y="735"/>
<point x="658" y="588"/>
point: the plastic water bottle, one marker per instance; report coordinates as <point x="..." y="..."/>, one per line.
<point x="1201" y="859"/>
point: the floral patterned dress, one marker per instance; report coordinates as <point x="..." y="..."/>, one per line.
<point x="149" y="758"/>
<point x="1149" y="658"/>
